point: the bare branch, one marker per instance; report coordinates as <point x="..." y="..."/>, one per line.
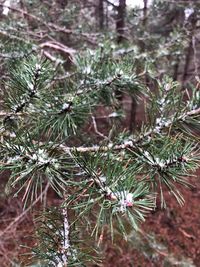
<point x="59" y="47"/>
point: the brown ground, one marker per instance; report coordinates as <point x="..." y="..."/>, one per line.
<point x="168" y="237"/>
<point x="174" y="236"/>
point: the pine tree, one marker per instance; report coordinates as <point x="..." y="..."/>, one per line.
<point x="108" y="179"/>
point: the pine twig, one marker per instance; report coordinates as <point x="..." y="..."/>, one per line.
<point x="96" y="129"/>
<point x="127" y="144"/>
<point x="65" y="245"/>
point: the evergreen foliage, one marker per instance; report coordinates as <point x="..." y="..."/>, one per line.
<point x="116" y="181"/>
<point x="107" y="181"/>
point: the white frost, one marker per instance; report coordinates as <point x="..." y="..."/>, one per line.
<point x="6" y="7"/>
<point x="188" y="12"/>
<point x="65" y="106"/>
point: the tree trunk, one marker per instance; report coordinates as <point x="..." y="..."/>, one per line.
<point x="132" y="124"/>
<point x="120" y="24"/>
<point x="189" y="52"/>
<point x="101" y="14"/>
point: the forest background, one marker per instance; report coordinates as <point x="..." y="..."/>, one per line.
<point x="159" y="42"/>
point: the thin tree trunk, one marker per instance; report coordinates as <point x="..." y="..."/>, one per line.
<point x="120" y="24"/>
<point x="107" y="16"/>
<point x="176" y="68"/>
<point x="133" y="114"/>
<point x="189" y="52"/>
<point x="101" y="14"/>
<point x="132" y="124"/>
<point x="145" y="12"/>
<point x="187" y="62"/>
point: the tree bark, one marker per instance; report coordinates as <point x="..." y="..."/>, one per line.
<point x="189" y="52"/>
<point x="101" y="14"/>
<point x="120" y="23"/>
<point x="132" y="124"/>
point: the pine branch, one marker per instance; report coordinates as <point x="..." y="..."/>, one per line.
<point x="118" y="180"/>
<point x="194" y="112"/>
<point x="32" y="92"/>
<point x="130" y="143"/>
<point x="65" y="241"/>
<point x="125" y="145"/>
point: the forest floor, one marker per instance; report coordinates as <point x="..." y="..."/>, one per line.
<point x="168" y="237"/>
